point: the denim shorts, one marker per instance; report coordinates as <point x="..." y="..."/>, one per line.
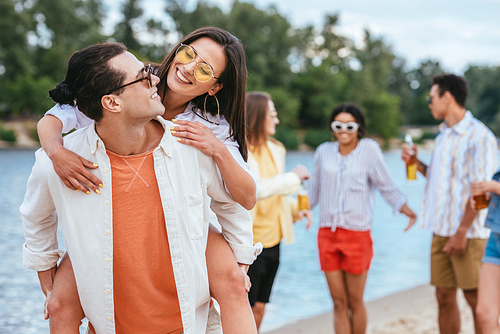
<point x="492" y="251"/>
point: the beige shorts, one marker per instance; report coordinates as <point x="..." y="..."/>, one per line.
<point x="456" y="271"/>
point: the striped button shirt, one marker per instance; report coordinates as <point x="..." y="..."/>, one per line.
<point x="463" y="153"/>
<point x="344" y="186"/>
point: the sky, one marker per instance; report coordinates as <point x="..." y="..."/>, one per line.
<point x="456" y="33"/>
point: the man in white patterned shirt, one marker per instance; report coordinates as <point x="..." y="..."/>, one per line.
<point x="465" y="151"/>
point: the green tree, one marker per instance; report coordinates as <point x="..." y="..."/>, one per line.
<point x="268" y="39"/>
<point x="370" y="81"/>
<point x="319" y="90"/>
<point x="268" y="43"/>
<point x="419" y="83"/>
<point x="286" y="105"/>
<point x="484" y="92"/>
<point x="14" y="60"/>
<point x="159" y="44"/>
<point x="383" y="116"/>
<point x="125" y="31"/>
<point x="63" y="27"/>
<point x="202" y="16"/>
<point x="36" y="101"/>
<point x="48" y="32"/>
<point x="14" y="26"/>
<point x="322" y="82"/>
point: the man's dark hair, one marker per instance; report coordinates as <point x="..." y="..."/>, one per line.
<point x="457" y="86"/>
<point x="89" y="77"/>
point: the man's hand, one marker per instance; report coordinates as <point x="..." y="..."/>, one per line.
<point x="409" y="154"/>
<point x="46" y="278"/>
<point x="244" y="268"/>
<point x="456" y="245"/>
<point x="47" y="283"/>
<point x="45" y="309"/>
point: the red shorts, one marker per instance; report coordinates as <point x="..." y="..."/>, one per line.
<point x="349" y="251"/>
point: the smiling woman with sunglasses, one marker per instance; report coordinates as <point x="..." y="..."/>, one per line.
<point x="345" y="176"/>
<point x="207" y="62"/>
<point x="202" y="71"/>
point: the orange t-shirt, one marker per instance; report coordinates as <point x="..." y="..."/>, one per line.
<point x="145" y="295"/>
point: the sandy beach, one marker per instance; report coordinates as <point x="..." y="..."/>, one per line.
<point x="412" y="311"/>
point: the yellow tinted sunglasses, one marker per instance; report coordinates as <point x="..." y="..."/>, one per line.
<point x="203" y="71"/>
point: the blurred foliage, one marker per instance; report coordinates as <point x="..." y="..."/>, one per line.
<point x="315" y="137"/>
<point x="124" y="30"/>
<point x="307" y="71"/>
<point x="426" y="135"/>
<point x="288" y="137"/>
<point x="286" y="105"/>
<point x="33" y="134"/>
<point x="7" y="135"/>
<point x="484" y="95"/>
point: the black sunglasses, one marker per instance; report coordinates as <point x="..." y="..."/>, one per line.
<point x="428" y="99"/>
<point x="148" y="69"/>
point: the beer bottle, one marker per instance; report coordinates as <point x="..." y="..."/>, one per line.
<point x="411" y="166"/>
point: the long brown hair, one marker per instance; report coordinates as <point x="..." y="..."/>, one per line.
<point x="257" y="105"/>
<point x="233" y="79"/>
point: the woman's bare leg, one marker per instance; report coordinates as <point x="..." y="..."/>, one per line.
<point x="63" y="306"/>
<point x="355" y="290"/>
<point x="338" y="291"/>
<point x="488" y="303"/>
<point x="227" y="285"/>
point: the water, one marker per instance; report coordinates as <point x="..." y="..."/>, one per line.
<point x="21" y="299"/>
<point x="401" y="259"/>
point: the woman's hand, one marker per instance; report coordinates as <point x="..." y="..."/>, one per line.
<point x="240" y="184"/>
<point x="483" y="187"/>
<point x="197" y="135"/>
<point x="72" y="169"/>
<point x="302" y="172"/>
<point x="306" y="214"/>
<point x="405" y="209"/>
<point x="472" y="203"/>
<point x="480" y="188"/>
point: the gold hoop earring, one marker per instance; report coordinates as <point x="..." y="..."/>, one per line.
<point x="205" y="108"/>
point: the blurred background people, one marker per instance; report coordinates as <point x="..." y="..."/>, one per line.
<point x="275" y="212"/>
<point x="464" y="152"/>
<point x="346" y="174"/>
<point x="488" y="291"/>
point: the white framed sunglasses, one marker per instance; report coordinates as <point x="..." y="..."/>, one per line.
<point x="349" y="127"/>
